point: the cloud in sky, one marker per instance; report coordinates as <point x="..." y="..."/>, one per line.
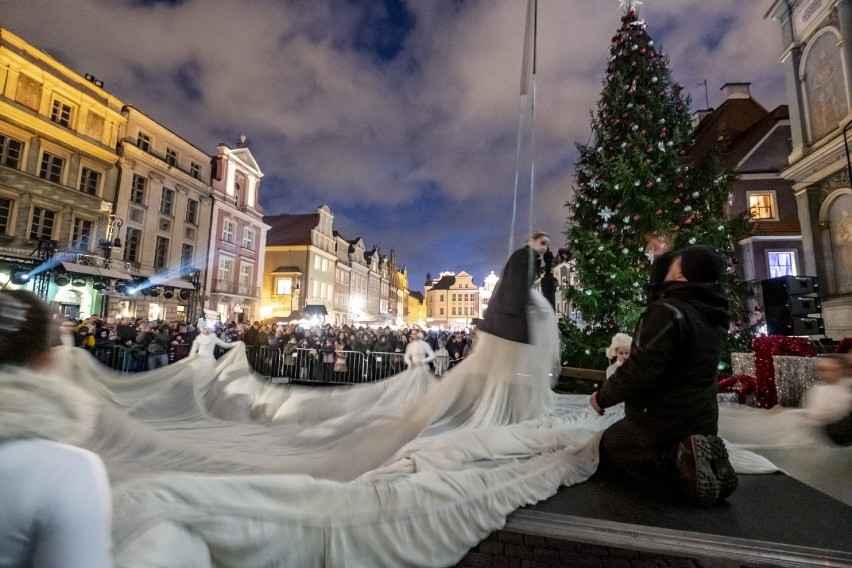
<point x="402" y="116"/>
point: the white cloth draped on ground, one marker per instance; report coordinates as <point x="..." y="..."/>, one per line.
<point x="210" y="466"/>
<point x="791" y="439"/>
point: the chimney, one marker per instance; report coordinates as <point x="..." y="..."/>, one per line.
<point x="699" y="115"/>
<point x="736" y="91"/>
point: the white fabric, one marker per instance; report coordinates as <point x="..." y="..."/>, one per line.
<point x="826" y="402"/>
<point x="55" y="509"/>
<point x="213" y="467"/>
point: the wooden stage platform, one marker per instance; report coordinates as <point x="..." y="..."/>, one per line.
<point x="771" y="520"/>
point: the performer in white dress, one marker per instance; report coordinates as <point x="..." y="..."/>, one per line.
<point x="418" y="353"/>
<point x="55" y="507"/>
<point x="205" y="343"/>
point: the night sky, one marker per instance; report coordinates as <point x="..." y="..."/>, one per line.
<point x="401" y="116"/>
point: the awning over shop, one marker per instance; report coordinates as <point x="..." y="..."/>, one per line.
<point x="315" y="310"/>
<point x="88" y="270"/>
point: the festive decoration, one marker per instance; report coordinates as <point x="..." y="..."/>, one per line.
<point x="637" y="158"/>
<point x="765" y="349"/>
<point x="793" y="376"/>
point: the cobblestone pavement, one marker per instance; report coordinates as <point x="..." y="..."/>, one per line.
<point x="512" y="550"/>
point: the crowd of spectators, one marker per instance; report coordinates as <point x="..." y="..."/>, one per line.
<point x="335" y="353"/>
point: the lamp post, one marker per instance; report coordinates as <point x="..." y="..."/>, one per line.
<point x="113" y="228"/>
<point x="114" y="225"/>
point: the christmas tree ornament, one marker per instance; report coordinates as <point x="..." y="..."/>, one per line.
<point x="605" y="213"/>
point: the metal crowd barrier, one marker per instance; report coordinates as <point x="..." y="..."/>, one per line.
<point x="303" y="365"/>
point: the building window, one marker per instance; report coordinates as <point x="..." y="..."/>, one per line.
<point x="61" y="113"/>
<point x="29" y="92"/>
<point x="226" y="269"/>
<point x="228" y="231"/>
<point x="187" y="252"/>
<point x="161" y="253"/>
<point x="137" y="189"/>
<point x="42" y="223"/>
<point x="245" y="278"/>
<point x="10" y="151"/>
<point x="51" y="167"/>
<point x="192" y="211"/>
<point x="781" y="263"/>
<point x="171" y="157"/>
<point x="248" y="239"/>
<point x="89" y="181"/>
<point x="143" y="142"/>
<point x="5" y="215"/>
<point x="761" y="206"/>
<point x="81" y="236"/>
<point x="195" y="170"/>
<point x="167" y="201"/>
<point x="132" y="242"/>
<point x="283" y="286"/>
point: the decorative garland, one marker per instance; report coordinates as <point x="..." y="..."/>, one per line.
<point x="844" y="346"/>
<point x="762" y="385"/>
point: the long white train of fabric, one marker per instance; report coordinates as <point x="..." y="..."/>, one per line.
<point x="212" y="467"/>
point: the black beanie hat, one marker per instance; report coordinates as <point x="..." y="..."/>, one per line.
<point x="701" y="263"/>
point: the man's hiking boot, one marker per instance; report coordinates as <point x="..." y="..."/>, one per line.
<point x="706" y="475"/>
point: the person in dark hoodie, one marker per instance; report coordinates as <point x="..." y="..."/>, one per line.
<point x="668" y="436"/>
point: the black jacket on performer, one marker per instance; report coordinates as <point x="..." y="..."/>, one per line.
<point x="506" y="314"/>
<point x="668" y="384"/>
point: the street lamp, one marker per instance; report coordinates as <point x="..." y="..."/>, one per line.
<point x="113" y="228"/>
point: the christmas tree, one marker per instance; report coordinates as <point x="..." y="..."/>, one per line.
<point x="637" y="179"/>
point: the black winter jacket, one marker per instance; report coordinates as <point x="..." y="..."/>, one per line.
<point x="669" y="381"/>
<point x="506" y="314"/>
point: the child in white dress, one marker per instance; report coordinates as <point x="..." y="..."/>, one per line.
<point x="619" y="350"/>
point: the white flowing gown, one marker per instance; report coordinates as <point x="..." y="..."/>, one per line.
<point x="211" y="466"/>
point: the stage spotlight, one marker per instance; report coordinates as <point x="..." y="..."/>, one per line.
<point x="122" y="287"/>
<point x="78" y="281"/>
<point x="20" y="277"/>
<point x="155" y="291"/>
<point x="99" y="284"/>
<point x="145" y="291"/>
<point x="184" y="295"/>
<point x="168" y="293"/>
<point x="62" y="279"/>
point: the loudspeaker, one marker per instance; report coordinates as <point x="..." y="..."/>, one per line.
<point x="795" y="325"/>
<point x="786" y="300"/>
<point x="784" y="286"/>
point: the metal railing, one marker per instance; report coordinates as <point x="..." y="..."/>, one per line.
<point x="302" y="365"/>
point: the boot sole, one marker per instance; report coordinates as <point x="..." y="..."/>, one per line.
<point x="695" y="468"/>
<point x="725" y="474"/>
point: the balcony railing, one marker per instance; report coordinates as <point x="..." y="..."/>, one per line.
<point x="228" y="287"/>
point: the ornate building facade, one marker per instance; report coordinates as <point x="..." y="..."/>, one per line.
<point x="235" y="261"/>
<point x="58" y="178"/>
<point x="817" y="57"/>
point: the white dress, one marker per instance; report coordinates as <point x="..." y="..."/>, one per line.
<point x="222" y="469"/>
